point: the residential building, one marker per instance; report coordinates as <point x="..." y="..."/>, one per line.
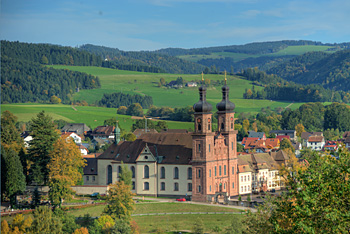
<point x="78" y="128"/>
<point x="260" y="135"/>
<point x="315" y="142"/>
<point x="291" y="133"/>
<point x="73" y="135"/>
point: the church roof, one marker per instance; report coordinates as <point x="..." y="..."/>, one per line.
<point x="166" y="148"/>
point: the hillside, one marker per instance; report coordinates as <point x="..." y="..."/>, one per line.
<point x="25" y="79"/>
<point x="166" y="63"/>
<point x="332" y="71"/>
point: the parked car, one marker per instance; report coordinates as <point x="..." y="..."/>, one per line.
<point x="181" y="199"/>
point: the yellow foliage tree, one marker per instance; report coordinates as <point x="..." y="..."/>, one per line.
<point x="299" y="128"/>
<point x="82" y="230"/>
<point x="5" y="229"/>
<point x="64" y="169"/>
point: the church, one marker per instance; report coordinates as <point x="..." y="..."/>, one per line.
<point x="202" y="164"/>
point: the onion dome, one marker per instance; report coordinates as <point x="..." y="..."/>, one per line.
<point x="202" y="106"/>
<point x="225" y="105"/>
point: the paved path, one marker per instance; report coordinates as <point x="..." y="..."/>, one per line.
<point x="289" y="105"/>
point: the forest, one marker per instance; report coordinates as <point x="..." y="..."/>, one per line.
<point x="332" y="71"/>
<point x="164" y="63"/>
<point x="26" y="81"/>
<point x="115" y="100"/>
<point x="276" y="88"/>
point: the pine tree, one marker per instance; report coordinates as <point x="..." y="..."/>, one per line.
<point x="44" y="136"/>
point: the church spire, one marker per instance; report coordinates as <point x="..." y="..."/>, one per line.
<point x="202" y="106"/>
<point x="117" y="133"/>
<point x="225" y="105"/>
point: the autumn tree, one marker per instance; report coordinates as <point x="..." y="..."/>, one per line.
<point x="299" y="128"/>
<point x="64" y="169"/>
<point x="55" y="100"/>
<point x="135" y="110"/>
<point x="125" y="175"/>
<point x="10" y="136"/>
<point x="286" y="144"/>
<point x="122" y="110"/>
<point x="120" y="201"/>
<point x="318" y="198"/>
<point x="44" y="136"/>
<point x="45" y="222"/>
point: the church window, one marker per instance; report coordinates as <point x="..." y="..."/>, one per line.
<point x="219" y="170"/>
<point x="232" y="145"/>
<point x="146" y="172"/>
<point x="199" y="173"/>
<point x="222" y="126"/>
<point x="109" y="174"/>
<point x="189" y="173"/>
<point x="215" y="171"/>
<point x="199" y="188"/>
<point x="146" y="186"/>
<point x="224" y="186"/>
<point x="224" y="169"/>
<point x="199" y="127"/>
<point x="209" y="172"/>
<point x="133" y="171"/>
<point x="176" y="186"/>
<point x="119" y="171"/>
<point x="162" y="172"/>
<point x="209" y="147"/>
<point x="233" y="185"/>
<point x="176" y="173"/>
<point x="189" y="187"/>
<point x="209" y="124"/>
<point x="209" y="188"/>
<point x="233" y="170"/>
<point x="162" y="186"/>
<point x="133" y="185"/>
<point x="199" y="147"/>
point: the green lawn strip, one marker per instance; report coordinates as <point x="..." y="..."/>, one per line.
<point x="165" y="223"/>
<point x="154" y="207"/>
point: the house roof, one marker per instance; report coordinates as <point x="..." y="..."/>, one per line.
<point x="103" y="131"/>
<point x="306" y="135"/>
<point x="256" y="134"/>
<point x="78" y="128"/>
<point x="315" y="139"/>
<point x="138" y="132"/>
<point x="272" y="142"/>
<point x="282" y="131"/>
<point x="247" y="140"/>
<point x="282" y="137"/>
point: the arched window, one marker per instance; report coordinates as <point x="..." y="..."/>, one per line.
<point x="162" y="172"/>
<point x="222" y="126"/>
<point x="146" y="172"/>
<point x="219" y="170"/>
<point x="176" y="173"/>
<point x="119" y="171"/>
<point x="224" y="169"/>
<point x="133" y="171"/>
<point x="233" y="170"/>
<point x="146" y="186"/>
<point x="199" y="127"/>
<point x="199" y="173"/>
<point x="109" y="174"/>
<point x="199" y="188"/>
<point x="215" y="171"/>
<point x="209" y="172"/>
<point x="162" y="186"/>
<point x="189" y="173"/>
<point x="133" y="185"/>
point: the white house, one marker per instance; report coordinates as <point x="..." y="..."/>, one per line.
<point x="315" y="143"/>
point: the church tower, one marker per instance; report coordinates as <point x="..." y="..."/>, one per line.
<point x="202" y="146"/>
<point x="226" y="127"/>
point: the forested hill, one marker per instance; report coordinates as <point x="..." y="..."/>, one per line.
<point x="332" y="71"/>
<point x="164" y="62"/>
<point x="250" y="48"/>
<point x="24" y="79"/>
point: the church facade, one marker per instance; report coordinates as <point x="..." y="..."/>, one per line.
<point x="203" y="164"/>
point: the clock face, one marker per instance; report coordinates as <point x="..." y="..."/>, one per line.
<point x="199" y="120"/>
<point x="231" y="119"/>
<point x="208" y="120"/>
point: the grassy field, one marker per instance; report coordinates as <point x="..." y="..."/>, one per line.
<point x="113" y="80"/>
<point x="290" y="50"/>
<point x="92" y="116"/>
<point x="146" y="83"/>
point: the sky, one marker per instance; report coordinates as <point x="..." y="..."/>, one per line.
<point x="134" y="25"/>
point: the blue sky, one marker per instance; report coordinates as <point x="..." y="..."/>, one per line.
<point x="155" y="24"/>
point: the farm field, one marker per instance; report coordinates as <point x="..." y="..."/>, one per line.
<point x="290" y="50"/>
<point x="146" y="83"/>
<point x="91" y="116"/>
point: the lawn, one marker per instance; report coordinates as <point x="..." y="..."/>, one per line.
<point x="92" y="116"/>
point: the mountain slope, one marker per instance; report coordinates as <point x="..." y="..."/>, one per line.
<point x="167" y="63"/>
<point x="330" y="70"/>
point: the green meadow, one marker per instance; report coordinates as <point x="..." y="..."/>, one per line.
<point x="90" y="115"/>
<point x="290" y="50"/>
<point x="130" y="82"/>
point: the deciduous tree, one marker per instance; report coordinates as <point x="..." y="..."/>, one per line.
<point x="120" y="202"/>
<point x="64" y="169"/>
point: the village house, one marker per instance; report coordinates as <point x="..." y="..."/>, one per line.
<point x="291" y="133"/>
<point x="26" y="138"/>
<point x="103" y="132"/>
<point x="315" y="142"/>
<point x="73" y="135"/>
<point x="305" y="136"/>
<point x="80" y="129"/>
